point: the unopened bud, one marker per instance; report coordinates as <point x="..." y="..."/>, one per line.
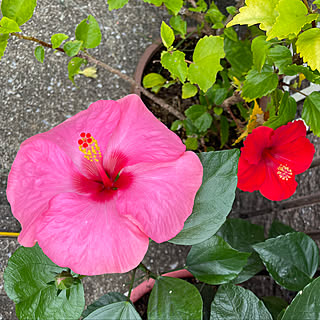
<point x="64" y="280"/>
<point x="90" y="72"/>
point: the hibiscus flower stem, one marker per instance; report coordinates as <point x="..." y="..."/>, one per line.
<point x="133" y="275"/>
<point x="149" y="274"/>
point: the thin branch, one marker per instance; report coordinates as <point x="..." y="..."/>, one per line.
<point x="117" y="72"/>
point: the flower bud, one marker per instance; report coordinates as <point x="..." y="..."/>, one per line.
<point x="64" y="280"/>
<point x="90" y="72"/>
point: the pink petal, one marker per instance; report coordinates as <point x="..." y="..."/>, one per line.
<point x="90" y="237"/>
<point x="140" y="137"/>
<point x="39" y="172"/>
<point x="99" y="119"/>
<point x="161" y="196"/>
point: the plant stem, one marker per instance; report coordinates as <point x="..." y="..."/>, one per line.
<point x="117" y="72"/>
<point x="294" y="89"/>
<point x="307" y="5"/>
<point x="132" y="282"/>
<point x="150" y="274"/>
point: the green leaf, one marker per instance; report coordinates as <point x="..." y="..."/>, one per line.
<point x="167" y="35"/>
<point x="57" y="39"/>
<point x="179" y="25"/>
<point x="308" y="45"/>
<point x="214" y="199"/>
<point x="39" y="53"/>
<point x="317" y="3"/>
<point x="8" y="25"/>
<point x="275" y="305"/>
<point x="218" y="110"/>
<point x="291" y="259"/>
<point x="74" y="67"/>
<point x="231" y="34"/>
<point x="173" y="5"/>
<point x="241" y="235"/>
<point x="72" y="47"/>
<point x="286" y="113"/>
<point x="206" y="58"/>
<point x="106" y="299"/>
<point x="173" y="298"/>
<point x="175" y="63"/>
<point x="234" y="303"/>
<point x="215" y="262"/>
<point x="306" y="303"/>
<point x="259" y="48"/>
<point x="294" y="69"/>
<point x="280" y="56"/>
<point x="199" y="116"/>
<point x="292" y="16"/>
<point x="259" y="84"/>
<point x="157" y="3"/>
<point x="116" y="4"/>
<point x="122" y="310"/>
<point x="88" y="31"/>
<point x="3" y="43"/>
<point x="216" y="95"/>
<point x="18" y="10"/>
<point x="224" y="131"/>
<point x="190" y="128"/>
<point x="176" y="125"/>
<point x="153" y="79"/>
<point x="232" y="10"/>
<point x="189" y="90"/>
<point x="311" y="112"/>
<point x="201" y="6"/>
<point x="29" y="282"/>
<point x="191" y="143"/>
<point x="278" y="228"/>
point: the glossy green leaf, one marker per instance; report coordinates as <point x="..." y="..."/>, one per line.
<point x="189" y="90"/>
<point x="291" y="259"/>
<point x="214" y="261"/>
<point x="39" y="53"/>
<point x="179" y="25"/>
<point x="306" y="303"/>
<point x="173" y="298"/>
<point x="233" y="302"/>
<point x="72" y="48"/>
<point x="18" y="10"/>
<point x="57" y="39"/>
<point x="173" y="5"/>
<point x="275" y="305"/>
<point x="8" y="25"/>
<point x="3" y="43"/>
<point x="214" y="200"/>
<point x="191" y="143"/>
<point x="206" y="58"/>
<point x="122" y="310"/>
<point x="259" y="84"/>
<point x="175" y="63"/>
<point x="311" y="112"/>
<point x="176" y="125"/>
<point x="167" y="35"/>
<point x="74" y="67"/>
<point x="153" y="79"/>
<point x="259" y="48"/>
<point x="280" y="56"/>
<point x="199" y="116"/>
<point x="88" y="31"/>
<point x="29" y="282"/>
<point x="278" y="228"/>
<point x="116" y="4"/>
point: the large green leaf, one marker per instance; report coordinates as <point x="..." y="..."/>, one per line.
<point x="122" y="310"/>
<point x="8" y="25"/>
<point x="88" y="31"/>
<point x="306" y="303"/>
<point x="291" y="259"/>
<point x="29" y="282"/>
<point x="173" y="298"/>
<point x="275" y="305"/>
<point x="241" y="235"/>
<point x="214" y="199"/>
<point x="280" y="56"/>
<point x="259" y="48"/>
<point x="175" y="63"/>
<point x="3" y="43"/>
<point x="206" y="61"/>
<point x="116" y="4"/>
<point x="234" y="303"/>
<point x="214" y="261"/>
<point x="259" y="84"/>
<point x="278" y="228"/>
<point x="199" y="116"/>
<point x="18" y="10"/>
<point x="311" y="112"/>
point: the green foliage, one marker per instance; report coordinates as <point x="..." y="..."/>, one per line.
<point x="116" y="4"/>
<point x="216" y="94"/>
<point x="233" y="303"/>
<point x="39" y="53"/>
<point x="173" y="5"/>
<point x="74" y="67"/>
<point x="88" y="31"/>
<point x="311" y="112"/>
<point x="31" y="286"/>
<point x="278" y="228"/>
<point x="175" y="63"/>
<point x="306" y="303"/>
<point x="259" y="48"/>
<point x="8" y="25"/>
<point x="201" y="6"/>
<point x="232" y="10"/>
<point x="317" y="3"/>
<point x="179" y="25"/>
<point x="259" y="84"/>
<point x="3" y="43"/>
<point x="231" y="34"/>
<point x="241" y="235"/>
<point x="157" y="3"/>
<point x="167" y="35"/>
<point x="291" y="259"/>
<point x="199" y="116"/>
<point x="280" y="56"/>
<point x="224" y="130"/>
<point x="18" y="10"/>
<point x="153" y="80"/>
<point x="176" y="125"/>
<point x="214" y="261"/>
<point x="206" y="58"/>
<point x="214" y="199"/>
<point x="189" y="90"/>
<point x="57" y="39"/>
<point x="191" y="143"/>
<point x="275" y="305"/>
<point x="72" y="48"/>
<point x="173" y="298"/>
<point x="294" y="69"/>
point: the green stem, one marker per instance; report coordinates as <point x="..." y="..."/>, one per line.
<point x="307" y="5"/>
<point x="132" y="282"/>
<point x="150" y="274"/>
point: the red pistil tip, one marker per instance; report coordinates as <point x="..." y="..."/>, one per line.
<point x="85" y="145"/>
<point x="89" y="140"/>
<point x="82" y="134"/>
<point x="88" y="135"/>
<point x="80" y="142"/>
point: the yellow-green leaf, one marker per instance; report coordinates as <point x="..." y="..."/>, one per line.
<point x="8" y="25"/>
<point x="189" y="90"/>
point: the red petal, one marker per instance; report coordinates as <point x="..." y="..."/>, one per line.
<point x="288" y="133"/>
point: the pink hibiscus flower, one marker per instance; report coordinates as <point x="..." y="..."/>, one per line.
<point x="270" y="159"/>
<point x="92" y="190"/>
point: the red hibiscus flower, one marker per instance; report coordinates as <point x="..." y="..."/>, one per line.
<point x="270" y="159"/>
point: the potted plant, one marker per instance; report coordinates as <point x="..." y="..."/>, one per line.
<point x="92" y="191"/>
